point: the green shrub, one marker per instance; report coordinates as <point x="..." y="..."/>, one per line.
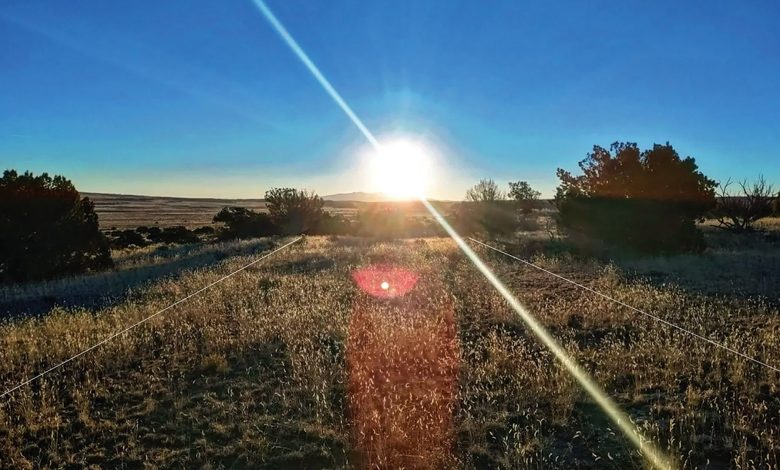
<point x="240" y="222"/>
<point x="294" y="211"/>
<point x="645" y="201"/>
<point x="47" y="229"/>
<point x="127" y="238"/>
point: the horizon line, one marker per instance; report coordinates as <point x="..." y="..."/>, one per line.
<point x="388" y="199"/>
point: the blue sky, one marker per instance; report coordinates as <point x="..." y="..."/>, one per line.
<point x="202" y="98"/>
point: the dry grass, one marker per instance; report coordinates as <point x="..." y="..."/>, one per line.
<point x="745" y="264"/>
<point x="118" y="211"/>
<point x="273" y="369"/>
<point x="769" y="223"/>
<point x="134" y="270"/>
<point x="128" y="212"/>
<point x="402" y="364"/>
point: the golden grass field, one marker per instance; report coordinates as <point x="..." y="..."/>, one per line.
<point x="126" y="211"/>
<point x="290" y="365"/>
<point x="119" y="211"/>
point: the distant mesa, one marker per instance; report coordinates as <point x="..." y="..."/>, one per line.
<point x="358" y="197"/>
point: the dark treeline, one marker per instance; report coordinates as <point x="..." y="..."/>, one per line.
<point x="650" y="201"/>
<point x="292" y="211"/>
<point x="646" y="201"/>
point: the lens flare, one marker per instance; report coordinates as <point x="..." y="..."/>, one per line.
<point x="403" y="363"/>
<point x="653" y="455"/>
<point x="612" y="410"/>
<point x="385" y="281"/>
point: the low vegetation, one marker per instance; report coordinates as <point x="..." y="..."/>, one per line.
<point x="47" y="229"/>
<point x="269" y="369"/>
<point x="134" y="269"/>
<point x="738" y="212"/>
<point x="239" y="222"/>
<point x="306" y="361"/>
<point x="145" y="236"/>
<point x="648" y="201"/>
<point x="294" y="211"/>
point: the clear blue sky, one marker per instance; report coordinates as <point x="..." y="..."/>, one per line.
<point x="202" y="98"/>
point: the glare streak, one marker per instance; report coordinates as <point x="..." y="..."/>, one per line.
<point x="654" y="456"/>
<point x="602" y="399"/>
<point x="279" y="27"/>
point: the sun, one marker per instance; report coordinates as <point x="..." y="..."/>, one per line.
<point x="401" y="169"/>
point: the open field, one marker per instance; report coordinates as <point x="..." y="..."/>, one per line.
<point x="424" y="235"/>
<point x="289" y="364"/>
<point x="127" y="212"/>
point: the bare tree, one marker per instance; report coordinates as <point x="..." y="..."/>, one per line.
<point x="485" y="191"/>
<point x="738" y="212"/>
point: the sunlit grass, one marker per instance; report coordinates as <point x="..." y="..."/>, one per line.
<point x="256" y="373"/>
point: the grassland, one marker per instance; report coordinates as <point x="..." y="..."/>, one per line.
<point x="119" y="211"/>
<point x="290" y="365"/>
<point x="134" y="269"/>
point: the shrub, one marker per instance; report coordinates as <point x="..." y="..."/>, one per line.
<point x="205" y="230"/>
<point x="177" y="234"/>
<point x="645" y="201"/>
<point x="153" y="233"/>
<point x="389" y="221"/>
<point x="241" y="222"/>
<point x="738" y="212"/>
<point x="524" y="195"/>
<point x="127" y="238"/>
<point x="47" y="229"/>
<point x="485" y="191"/>
<point x="333" y="224"/>
<point x="294" y="211"/>
<point x="380" y="220"/>
<point x="528" y="223"/>
<point x="491" y="218"/>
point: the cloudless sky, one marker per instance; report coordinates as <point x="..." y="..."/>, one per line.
<point x="202" y="98"/>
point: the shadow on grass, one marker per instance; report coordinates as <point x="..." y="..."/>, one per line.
<point x="741" y="265"/>
<point x="223" y="410"/>
<point x="99" y="290"/>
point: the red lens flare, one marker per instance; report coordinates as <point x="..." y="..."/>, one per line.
<point x="384" y="281"/>
<point x="403" y="362"/>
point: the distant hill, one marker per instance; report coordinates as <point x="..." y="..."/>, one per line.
<point x="357" y="197"/>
